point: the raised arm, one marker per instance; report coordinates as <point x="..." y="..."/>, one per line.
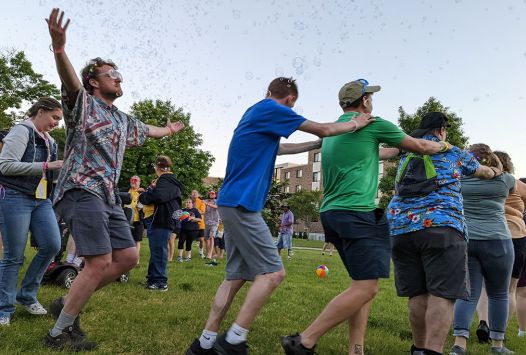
<point x="168" y="130"/>
<point x="335" y="128"/>
<point x="65" y="70"/>
<point x="295" y="148"/>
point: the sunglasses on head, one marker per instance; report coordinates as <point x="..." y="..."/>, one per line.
<point x="364" y="83"/>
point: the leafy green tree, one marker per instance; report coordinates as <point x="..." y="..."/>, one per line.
<point x="272" y="210"/>
<point x="59" y="134"/>
<point x="190" y="163"/>
<point x="306" y="206"/>
<point x="408" y="123"/>
<point x="19" y="85"/>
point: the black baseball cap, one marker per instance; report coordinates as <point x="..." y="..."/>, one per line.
<point x="430" y="121"/>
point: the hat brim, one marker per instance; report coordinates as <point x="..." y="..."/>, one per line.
<point x="372" y="88"/>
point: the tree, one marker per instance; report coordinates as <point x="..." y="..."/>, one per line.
<point x="59" y="135"/>
<point x="408" y="123"/>
<point x="190" y="163"/>
<point x="306" y="206"/>
<point x="272" y="210"/>
<point x="19" y="85"/>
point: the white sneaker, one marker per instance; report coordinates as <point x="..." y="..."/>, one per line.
<point x="35" y="308"/>
<point x="77" y="261"/>
<point x="5" y="320"/>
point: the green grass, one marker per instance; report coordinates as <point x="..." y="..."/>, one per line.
<point x="127" y="319"/>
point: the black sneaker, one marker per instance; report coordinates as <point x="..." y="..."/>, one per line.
<point x="292" y="345"/>
<point x="157" y="287"/>
<point x="69" y="340"/>
<point x="483" y="332"/>
<point x="223" y="347"/>
<point x="196" y="349"/>
<point x="56" y="307"/>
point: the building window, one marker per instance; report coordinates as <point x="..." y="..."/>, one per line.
<point x="287" y="189"/>
<point x="298" y="187"/>
<point x="316" y="176"/>
<point x="287" y="175"/>
<point x="299" y="173"/>
<point x="317" y="157"/>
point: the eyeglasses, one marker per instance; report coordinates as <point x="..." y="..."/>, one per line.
<point x="113" y="74"/>
<point x="364" y="83"/>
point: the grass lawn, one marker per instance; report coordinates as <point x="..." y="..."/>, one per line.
<point x="127" y="319"/>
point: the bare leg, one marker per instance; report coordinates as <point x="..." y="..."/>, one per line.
<point x="482" y="305"/>
<point x="210" y="247"/>
<point x="439" y="316"/>
<point x="171" y="247"/>
<point x="521" y="307"/>
<point x="257" y="296"/>
<point x="357" y="327"/>
<point x="341" y="308"/>
<point x="223" y="299"/>
<point x="98" y="271"/>
<point x="417" y="318"/>
<point x="512" y="298"/>
<point x="138" y="246"/>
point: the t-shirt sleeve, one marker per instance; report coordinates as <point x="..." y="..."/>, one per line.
<point x="387" y="132"/>
<point x="467" y="162"/>
<point x="74" y="115"/>
<point x="282" y="121"/>
<point x="509" y="180"/>
<point x="137" y="132"/>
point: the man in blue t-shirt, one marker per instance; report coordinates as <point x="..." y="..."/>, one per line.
<point x="251" y="253"/>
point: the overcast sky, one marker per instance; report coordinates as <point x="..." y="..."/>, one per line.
<point x="216" y="58"/>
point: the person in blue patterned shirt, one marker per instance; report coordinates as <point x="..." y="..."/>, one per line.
<point x="86" y="198"/>
<point x="429" y="241"/>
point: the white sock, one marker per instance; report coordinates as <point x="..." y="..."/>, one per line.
<point x="207" y="339"/>
<point x="69" y="258"/>
<point x="200" y="251"/>
<point x="236" y="334"/>
<point x="522" y="333"/>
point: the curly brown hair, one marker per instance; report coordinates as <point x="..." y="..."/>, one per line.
<point x="485" y="155"/>
<point x="91" y="70"/>
<point x="505" y="159"/>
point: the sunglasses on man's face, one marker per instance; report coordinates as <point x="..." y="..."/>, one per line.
<point x="112" y="74"/>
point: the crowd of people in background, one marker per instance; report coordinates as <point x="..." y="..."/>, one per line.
<point x="455" y="228"/>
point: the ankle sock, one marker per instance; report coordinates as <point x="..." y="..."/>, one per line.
<point x="236" y="334"/>
<point x="207" y="339"/>
<point x="64" y="320"/>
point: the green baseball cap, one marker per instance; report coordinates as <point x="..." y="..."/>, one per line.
<point x="353" y="90"/>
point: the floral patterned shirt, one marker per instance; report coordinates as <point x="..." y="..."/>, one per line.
<point x="442" y="207"/>
<point x="97" y="136"/>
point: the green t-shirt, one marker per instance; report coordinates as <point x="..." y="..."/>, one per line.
<point x="350" y="165"/>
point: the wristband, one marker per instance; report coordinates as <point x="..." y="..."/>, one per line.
<point x="56" y="51"/>
<point x="444" y="147"/>
<point x="355" y="127"/>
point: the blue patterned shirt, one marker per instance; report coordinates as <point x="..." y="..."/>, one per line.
<point x="442" y="207"/>
<point x="97" y="136"/>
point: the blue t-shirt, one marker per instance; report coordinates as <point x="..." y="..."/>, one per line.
<point x="442" y="207"/>
<point x="252" y="154"/>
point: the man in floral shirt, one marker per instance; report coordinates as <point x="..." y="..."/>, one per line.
<point x="86" y="198"/>
<point x="430" y="246"/>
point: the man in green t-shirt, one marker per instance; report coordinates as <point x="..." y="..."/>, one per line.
<point x="350" y="218"/>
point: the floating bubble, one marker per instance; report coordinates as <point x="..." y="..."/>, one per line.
<point x="236" y="14"/>
<point x="279" y="71"/>
<point x="299" y="25"/>
<point x="476" y="99"/>
<point x="297" y="62"/>
<point x="249" y="75"/>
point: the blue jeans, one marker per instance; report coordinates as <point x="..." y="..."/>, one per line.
<point x="158" y="242"/>
<point x="19" y="214"/>
<point x="491" y="261"/>
<point x="284" y="240"/>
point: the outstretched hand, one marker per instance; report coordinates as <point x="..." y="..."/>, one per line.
<point x="174" y="127"/>
<point x="56" y="30"/>
<point x="363" y="120"/>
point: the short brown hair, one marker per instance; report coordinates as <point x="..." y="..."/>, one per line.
<point x="485" y="155"/>
<point x="505" y="159"/>
<point x="282" y="87"/>
<point x="91" y="70"/>
<point x="163" y="162"/>
<point x="44" y="103"/>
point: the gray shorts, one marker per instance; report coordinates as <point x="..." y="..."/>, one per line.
<point x="97" y="227"/>
<point x="210" y="231"/>
<point x="248" y="244"/>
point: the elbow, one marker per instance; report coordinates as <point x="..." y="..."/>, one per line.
<point x="324" y="131"/>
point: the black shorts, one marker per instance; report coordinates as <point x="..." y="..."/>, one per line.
<point x="201" y="233"/>
<point x="362" y="240"/>
<point x="432" y="260"/>
<point x="138" y="230"/>
<point x="519" y="246"/>
<point x="219" y="242"/>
